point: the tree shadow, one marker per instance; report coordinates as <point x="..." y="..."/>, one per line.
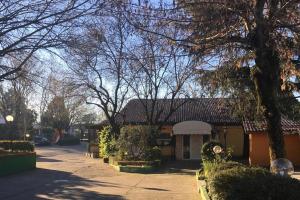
<point x="154" y="189"/>
<point x="51" y="184"/>
<point x="43" y="159"/>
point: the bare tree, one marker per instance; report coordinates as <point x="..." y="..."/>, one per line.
<point x="27" y="26"/>
<point x="159" y="70"/>
<point x="56" y="86"/>
<point x="97" y="61"/>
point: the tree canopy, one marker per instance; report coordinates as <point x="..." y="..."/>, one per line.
<point x="56" y="115"/>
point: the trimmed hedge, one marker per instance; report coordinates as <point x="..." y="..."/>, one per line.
<point x="114" y="161"/>
<point x="210" y="168"/>
<point x="139" y="163"/>
<point x="234" y="181"/>
<point x="137" y="169"/>
<point x="17" y="145"/>
<point x="13" y="163"/>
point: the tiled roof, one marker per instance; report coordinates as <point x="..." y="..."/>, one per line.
<point x="288" y="126"/>
<point x="210" y="110"/>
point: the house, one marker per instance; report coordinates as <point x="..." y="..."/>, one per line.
<point x="258" y="141"/>
<point x="194" y="122"/>
<point x="198" y="120"/>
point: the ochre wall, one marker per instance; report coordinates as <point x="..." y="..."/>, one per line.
<point x="167" y="129"/>
<point x="234" y="139"/>
<point x="166" y="150"/>
<point x="259" y="150"/>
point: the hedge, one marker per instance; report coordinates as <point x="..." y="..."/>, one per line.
<point x="232" y="181"/>
<point x="69" y="140"/>
<point x="12" y="163"/>
<point x="17" y="145"/>
<point x="210" y="168"/>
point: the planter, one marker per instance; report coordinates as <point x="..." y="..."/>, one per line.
<point x="106" y="160"/>
<point x="135" y="166"/>
<point x="139" y="163"/>
<point x="17" y="162"/>
<point x="135" y="169"/>
<point x="201" y="188"/>
<point x="138" y="169"/>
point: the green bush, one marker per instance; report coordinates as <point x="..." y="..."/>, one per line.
<point x="211" y="168"/>
<point x="69" y="140"/>
<point x="251" y="184"/>
<point x="207" y="151"/>
<point x="107" y="144"/>
<point x="137" y="143"/>
<point x="153" y="153"/>
<point x="17" y="145"/>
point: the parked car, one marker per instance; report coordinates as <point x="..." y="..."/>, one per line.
<point x="41" y="141"/>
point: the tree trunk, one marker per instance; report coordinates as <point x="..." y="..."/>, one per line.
<point x="267" y="82"/>
<point x="115" y="128"/>
<point x="267" y="79"/>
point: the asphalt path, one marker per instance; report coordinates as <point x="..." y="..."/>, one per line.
<point x="65" y="173"/>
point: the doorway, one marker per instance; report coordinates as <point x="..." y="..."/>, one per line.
<point x="186" y="147"/>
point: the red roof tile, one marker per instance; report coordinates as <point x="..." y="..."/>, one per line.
<point x="210" y="110"/>
<point x="288" y="126"/>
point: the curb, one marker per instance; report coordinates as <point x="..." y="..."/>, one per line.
<point x="133" y="169"/>
<point x="201" y="188"/>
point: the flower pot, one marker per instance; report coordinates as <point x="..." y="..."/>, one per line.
<point x="105" y="160"/>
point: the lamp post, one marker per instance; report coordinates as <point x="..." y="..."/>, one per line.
<point x="27" y="136"/>
<point x="282" y="166"/>
<point x="10" y="119"/>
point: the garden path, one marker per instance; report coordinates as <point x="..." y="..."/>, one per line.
<point x="65" y="173"/>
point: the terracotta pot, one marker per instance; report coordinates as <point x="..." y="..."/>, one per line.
<point x="105" y="160"/>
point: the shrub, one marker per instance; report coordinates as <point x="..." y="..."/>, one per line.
<point x="251" y="184"/>
<point x="211" y="168"/>
<point x="200" y="174"/>
<point x="137" y="142"/>
<point x="207" y="151"/>
<point x="153" y="153"/>
<point x="107" y="144"/>
<point x="17" y="145"/>
<point x="69" y="140"/>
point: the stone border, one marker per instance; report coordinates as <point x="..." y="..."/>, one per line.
<point x="201" y="188"/>
<point x="134" y="169"/>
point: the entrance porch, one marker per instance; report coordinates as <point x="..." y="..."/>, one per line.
<point x="190" y="136"/>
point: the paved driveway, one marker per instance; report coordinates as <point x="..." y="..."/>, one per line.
<point x="64" y="173"/>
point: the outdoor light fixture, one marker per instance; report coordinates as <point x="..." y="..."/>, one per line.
<point x="282" y="166"/>
<point x="9" y="118"/>
<point x="217" y="149"/>
<point x="27" y="135"/>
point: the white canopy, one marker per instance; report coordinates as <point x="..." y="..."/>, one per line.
<point x="2" y="120"/>
<point x="192" y="128"/>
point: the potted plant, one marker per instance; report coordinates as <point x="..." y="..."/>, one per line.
<point x="106" y="159"/>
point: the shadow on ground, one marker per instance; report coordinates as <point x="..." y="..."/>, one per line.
<point x="51" y="184"/>
<point x="43" y="159"/>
